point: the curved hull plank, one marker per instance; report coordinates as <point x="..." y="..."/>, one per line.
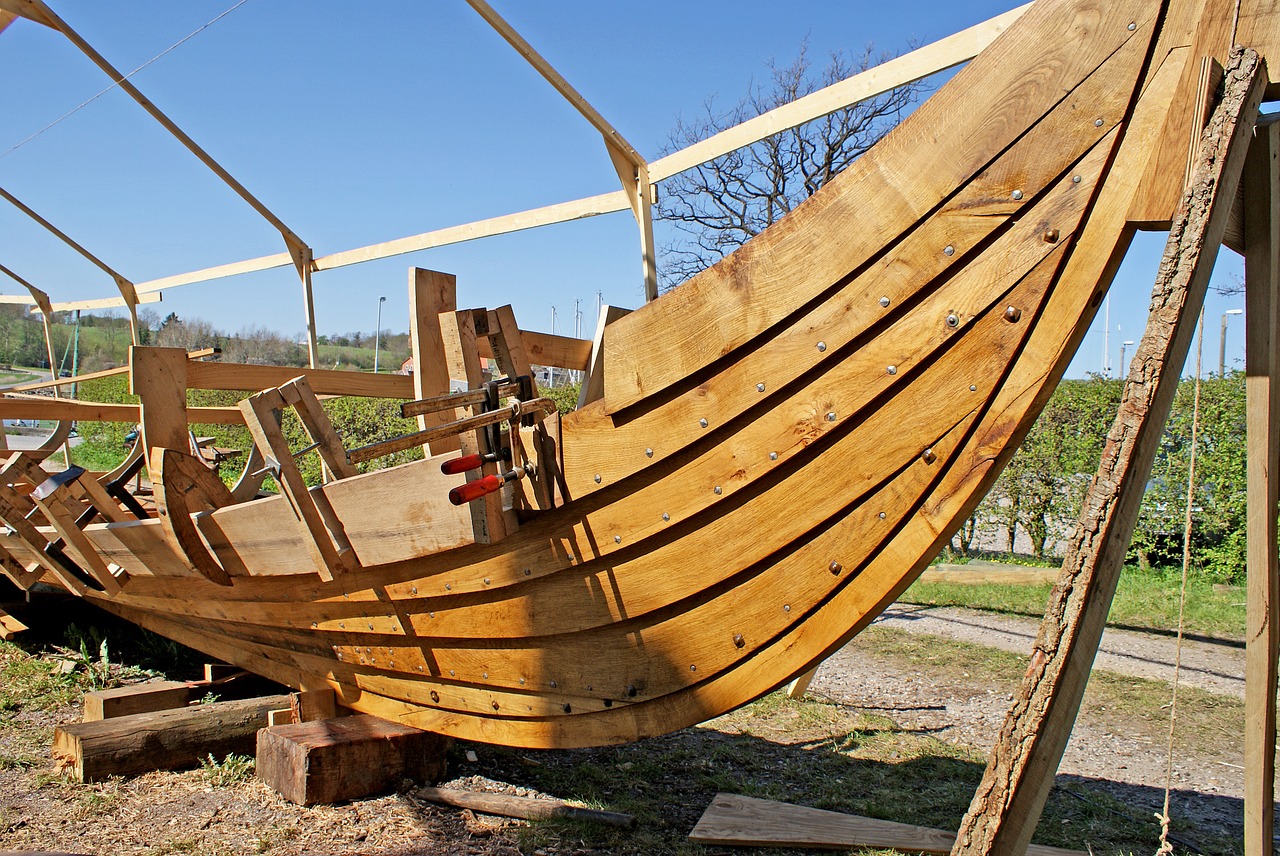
<point x="784" y="442"/>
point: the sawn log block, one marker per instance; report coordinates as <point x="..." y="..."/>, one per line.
<point x="332" y="760"/>
<point x="161" y="740"/>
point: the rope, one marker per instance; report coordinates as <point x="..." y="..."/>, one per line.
<point x="1166" y="845"/>
<point x="116" y="83"/>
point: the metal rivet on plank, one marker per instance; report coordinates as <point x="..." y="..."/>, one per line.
<point x="973" y="387"/>
<point x="314" y="625"/>
<point x="484" y="675"/>
<point x="717" y="490"/>
<point x="786" y="607"/>
<point x="553" y="685"/>
<point x="738" y="641"/>
<point x="528" y="571"/>
<point x="665" y="517"/>
<point x="435" y="696"/>
<point x="953" y="320"/>
<point x="617" y="539"/>
<point x="1132" y="26"/>
<point x="431" y="615"/>
<point x="948" y="250"/>
<point x="448" y="586"/>
<point x="1097" y="123"/>
<point x="495" y="705"/>
<point x="693" y="668"/>
<point x="883" y="515"/>
<point x="648" y="453"/>
<point x="773" y="456"/>
<point x="759" y="387"/>
<point x="929" y="456"/>
<point x="884" y="301"/>
<point x="822" y="346"/>
<point x="835" y="568"/>
<point x="891" y="369"/>
<point x="1017" y="194"/>
<point x="597" y="478"/>
<point x="1051" y="236"/>
<point x="486" y="580"/>
<point x="452" y="673"/>
<point x="831" y="416"/>
<point x="702" y="422"/>
<point x="1075" y="179"/>
<point x="413" y="590"/>
<point x="1012" y="314"/>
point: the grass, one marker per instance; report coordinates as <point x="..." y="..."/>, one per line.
<point x="1147" y="600"/>
<point x="231" y="770"/>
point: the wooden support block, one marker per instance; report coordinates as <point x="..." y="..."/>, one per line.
<point x="750" y="822"/>
<point x="9" y="626"/>
<point x="221" y="671"/>
<point x="312" y="705"/>
<point x="284" y="716"/>
<point x="139" y="698"/>
<point x="797" y="688"/>
<point x="333" y="760"/>
<point x="161" y="740"/>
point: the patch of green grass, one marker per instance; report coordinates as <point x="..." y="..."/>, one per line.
<point x="29" y="682"/>
<point x="1147" y="600"/>
<point x="231" y="770"/>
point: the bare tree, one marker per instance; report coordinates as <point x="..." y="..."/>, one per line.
<point x="719" y="206"/>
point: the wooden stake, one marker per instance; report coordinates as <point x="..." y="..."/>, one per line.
<point x="1262" y="368"/>
<point x="1011" y="796"/>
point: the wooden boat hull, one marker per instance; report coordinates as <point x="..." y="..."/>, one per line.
<point x="783" y="445"/>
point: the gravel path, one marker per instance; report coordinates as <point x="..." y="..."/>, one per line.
<point x="1212" y="665"/>
<point x="1123" y="754"/>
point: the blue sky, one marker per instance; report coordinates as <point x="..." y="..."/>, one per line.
<point x="359" y="123"/>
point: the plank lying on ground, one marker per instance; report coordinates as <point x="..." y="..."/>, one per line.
<point x="749" y="822"/>
<point x="162" y="740"/>
<point x="138" y="698"/>
<point x="332" y="760"/>
<point x="523" y="807"/>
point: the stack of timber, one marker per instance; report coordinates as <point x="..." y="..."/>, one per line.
<point x="644" y="563"/>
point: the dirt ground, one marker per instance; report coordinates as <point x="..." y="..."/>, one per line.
<point x="956" y="695"/>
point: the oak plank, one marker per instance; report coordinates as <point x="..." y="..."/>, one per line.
<point x="430" y="294"/>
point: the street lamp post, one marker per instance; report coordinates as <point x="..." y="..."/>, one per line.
<point x="1124" y="367"/>
<point x="1222" y="342"/>
<point x="377" y="335"/>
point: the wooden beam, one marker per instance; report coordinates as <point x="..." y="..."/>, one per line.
<point x="430" y="294"/>
<point x="127" y="292"/>
<point x="159" y="377"/>
<point x="922" y="62"/>
<point x="276" y="260"/>
<point x="198" y="354"/>
<point x="38" y="8"/>
<point x="612" y="137"/>
<point x="1011" y="796"/>
<point x="593" y="383"/>
<point x="239" y="376"/>
<point x="458" y="331"/>
<point x="748" y="822"/>
<point x="161" y="740"/>
<point x="1261" y="190"/>
<point x="43" y="407"/>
